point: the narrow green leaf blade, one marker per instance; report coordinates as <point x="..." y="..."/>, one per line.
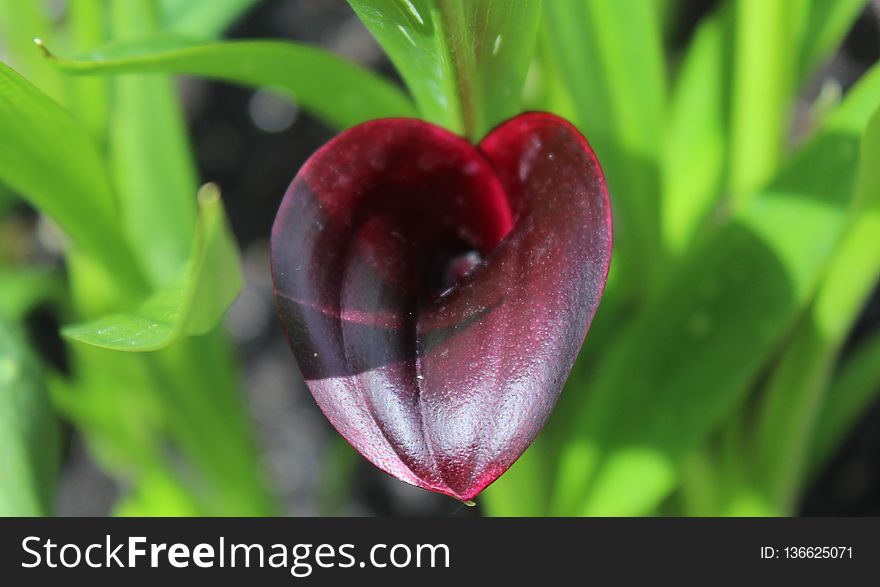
<point x="337" y="91"/>
<point x="695" y="154"/>
<point x="827" y="25"/>
<point x="465" y="62"/>
<point x="793" y="403"/>
<point x="153" y="168"/>
<point x="767" y="35"/>
<point x="853" y="389"/>
<point x="192" y="305"/>
<point x="206" y="18"/>
<point x="693" y="353"/>
<point x="20" y="24"/>
<point x="29" y="442"/>
<point x="91" y="96"/>
<point x="610" y="55"/>
<point x="50" y="160"/>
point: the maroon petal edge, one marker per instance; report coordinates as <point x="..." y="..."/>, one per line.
<point x="435" y="294"/>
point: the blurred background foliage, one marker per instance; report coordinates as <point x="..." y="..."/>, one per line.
<point x="733" y="367"/>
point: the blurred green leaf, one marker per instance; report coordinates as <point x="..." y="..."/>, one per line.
<point x="29" y="442"/>
<point x="24" y="288"/>
<point x="339" y="92"/>
<point x="337" y="477"/>
<point x="7" y="198"/>
<point x="150" y="156"/>
<point x="205" y="409"/>
<point x="170" y="423"/>
<point x="693" y="161"/>
<point x="852" y="391"/>
<point x="192" y="305"/>
<point x="159" y="495"/>
<point x="20" y="23"/>
<point x="826" y="27"/>
<point x="110" y="398"/>
<point x="693" y="353"/>
<point x="524" y="490"/>
<point x="91" y="97"/>
<point x="610" y="56"/>
<point x="204" y="18"/>
<point x="50" y="160"/>
<point x="794" y="395"/>
<point x="767" y="35"/>
<point x="464" y="62"/>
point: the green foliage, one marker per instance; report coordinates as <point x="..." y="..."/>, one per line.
<point x="150" y="157"/>
<point x="29" y="447"/>
<point x="794" y="395"/>
<point x="37" y="135"/>
<point x="464" y="62"/>
<point x="716" y="378"/>
<point x="191" y="305"/>
<point x="305" y="74"/>
<point x="25" y="288"/>
<point x="854" y="387"/>
<point x="610" y="56"/>
<point x="208" y="18"/>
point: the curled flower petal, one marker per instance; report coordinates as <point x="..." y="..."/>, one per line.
<point x="435" y="293"/>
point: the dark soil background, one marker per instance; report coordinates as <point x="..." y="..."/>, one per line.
<point x="252" y="144"/>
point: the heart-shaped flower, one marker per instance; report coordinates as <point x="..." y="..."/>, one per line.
<point x="436" y="293"/>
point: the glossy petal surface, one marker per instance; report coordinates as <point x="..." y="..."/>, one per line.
<point x="436" y="294"/>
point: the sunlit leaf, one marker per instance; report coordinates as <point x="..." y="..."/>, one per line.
<point x="464" y="62"/>
<point x="50" y="160"/>
<point x="794" y="398"/>
<point x="339" y="92"/>
<point x="20" y="24"/>
<point x="766" y="36"/>
<point x="150" y="159"/>
<point x="88" y="20"/>
<point x="696" y="349"/>
<point x="192" y="305"/>
<point x="610" y="57"/>
<point x="693" y="161"/>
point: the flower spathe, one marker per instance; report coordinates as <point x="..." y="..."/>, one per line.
<point x="436" y="293"/>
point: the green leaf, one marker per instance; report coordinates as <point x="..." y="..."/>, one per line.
<point x="794" y="396"/>
<point x="91" y="97"/>
<point x="524" y="489"/>
<point x="49" y="159"/>
<point x="192" y="305"/>
<point x="695" y="154"/>
<point x="7" y="198"/>
<point x="852" y="391"/>
<point x="29" y="442"/>
<point x="693" y="353"/>
<point x="205" y="18"/>
<point x="20" y="24"/>
<point x="610" y="55"/>
<point x="464" y="62"/>
<point x="174" y="416"/>
<point x="767" y="35"/>
<point x="827" y="25"/>
<point x="150" y="156"/>
<point x="22" y="289"/>
<point x="337" y="91"/>
<point x="159" y="495"/>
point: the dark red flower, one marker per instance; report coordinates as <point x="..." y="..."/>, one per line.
<point x="436" y="293"/>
